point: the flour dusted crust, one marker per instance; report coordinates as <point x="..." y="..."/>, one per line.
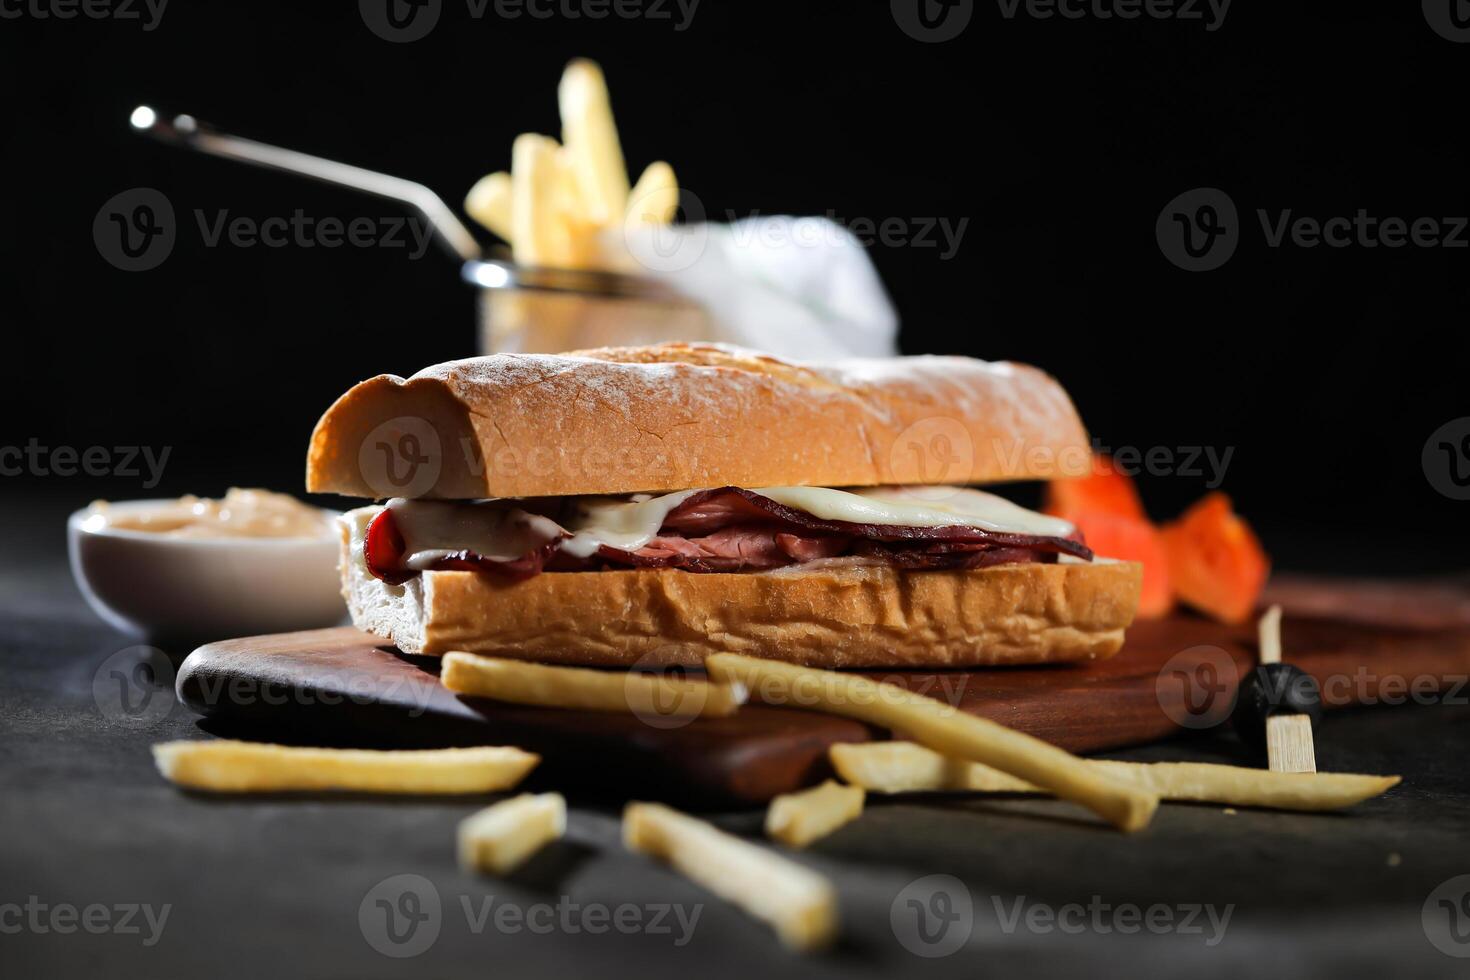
<point x="676" y="416"/>
<point x="832" y="616"/>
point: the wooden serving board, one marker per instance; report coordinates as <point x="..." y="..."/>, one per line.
<point x="340" y="686"/>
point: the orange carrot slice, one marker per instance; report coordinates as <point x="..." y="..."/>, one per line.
<point x="1215" y="560"/>
<point x="1105" y="490"/>
<point x="1132" y="539"/>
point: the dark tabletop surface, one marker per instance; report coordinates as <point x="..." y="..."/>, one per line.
<point x="95" y="851"/>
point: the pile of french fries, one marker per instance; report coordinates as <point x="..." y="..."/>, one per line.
<point x="559" y="200"/>
<point x="950" y="751"/>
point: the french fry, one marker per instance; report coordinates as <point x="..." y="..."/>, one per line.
<point x="501" y="837"/>
<point x="558" y="203"/>
<point x="227" y="766"/>
<point x="489" y="203"/>
<point x="798" y="903"/>
<point x="943" y="728"/>
<point x="582" y="233"/>
<point x="591" y="136"/>
<point x="798" y="819"/>
<point x="903" y="767"/>
<point x="521" y="682"/>
<point x="655" y="198"/>
<point x="538" y="235"/>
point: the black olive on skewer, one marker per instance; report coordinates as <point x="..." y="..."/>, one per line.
<point x="1274" y="689"/>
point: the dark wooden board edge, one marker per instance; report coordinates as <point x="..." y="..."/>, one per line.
<point x="340" y="687"/>
<point x="390" y="700"/>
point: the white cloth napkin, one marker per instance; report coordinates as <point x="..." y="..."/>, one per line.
<point x="797" y="287"/>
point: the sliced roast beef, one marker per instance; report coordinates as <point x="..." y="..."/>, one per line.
<point x="731" y="529"/>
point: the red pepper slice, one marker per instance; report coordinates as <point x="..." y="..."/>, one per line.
<point x="383" y="548"/>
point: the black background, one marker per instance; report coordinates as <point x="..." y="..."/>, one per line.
<point x="1061" y="140"/>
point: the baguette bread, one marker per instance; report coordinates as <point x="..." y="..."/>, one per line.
<point x="827" y="614"/>
<point x="675" y="416"/>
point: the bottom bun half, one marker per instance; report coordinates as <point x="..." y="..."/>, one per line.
<point x="825" y="616"/>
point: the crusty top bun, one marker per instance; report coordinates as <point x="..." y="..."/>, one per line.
<point x="675" y="416"/>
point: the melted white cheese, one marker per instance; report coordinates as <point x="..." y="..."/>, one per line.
<point x="938" y="506"/>
<point x="628" y="525"/>
<point x="500" y="530"/>
<point x="435" y="529"/>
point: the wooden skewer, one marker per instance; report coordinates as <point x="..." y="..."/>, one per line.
<point x="1289" y="746"/>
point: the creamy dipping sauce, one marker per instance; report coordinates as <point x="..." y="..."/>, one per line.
<point x="240" y="514"/>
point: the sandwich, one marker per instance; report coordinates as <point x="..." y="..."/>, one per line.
<point x="651" y="506"/>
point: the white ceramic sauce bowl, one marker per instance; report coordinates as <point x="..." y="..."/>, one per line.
<point x="168" y="587"/>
